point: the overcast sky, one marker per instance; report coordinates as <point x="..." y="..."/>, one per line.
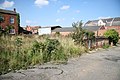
<point x="61" y="12"/>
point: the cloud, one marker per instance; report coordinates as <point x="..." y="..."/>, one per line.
<point x="7" y="4"/>
<point x="41" y="3"/>
<point x="77" y="11"/>
<point x="54" y="0"/>
<point x="65" y="7"/>
<point x="60" y="20"/>
<point x="104" y="17"/>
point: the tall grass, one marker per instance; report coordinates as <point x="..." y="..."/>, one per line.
<point x="70" y="49"/>
<point x="19" y="52"/>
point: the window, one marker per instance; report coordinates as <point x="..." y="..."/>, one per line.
<point x="12" y="31"/>
<point x="1" y="18"/>
<point x="11" y="20"/>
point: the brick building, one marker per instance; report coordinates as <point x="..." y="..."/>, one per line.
<point x="102" y="25"/>
<point x="33" y="29"/>
<point x="65" y="31"/>
<point x="99" y="27"/>
<point x="9" y="20"/>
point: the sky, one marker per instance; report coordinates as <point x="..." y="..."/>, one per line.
<point x="61" y="12"/>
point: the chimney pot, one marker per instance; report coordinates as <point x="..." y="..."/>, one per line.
<point x="14" y="9"/>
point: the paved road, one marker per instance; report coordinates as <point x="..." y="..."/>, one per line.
<point x="99" y="65"/>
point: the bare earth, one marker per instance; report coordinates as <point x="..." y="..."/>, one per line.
<point x="100" y="65"/>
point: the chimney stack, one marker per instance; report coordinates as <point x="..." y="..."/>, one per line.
<point x="14" y="9"/>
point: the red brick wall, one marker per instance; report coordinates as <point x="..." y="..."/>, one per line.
<point x="62" y="33"/>
<point x="113" y="27"/>
<point x="7" y="21"/>
<point x="28" y="28"/>
<point x="117" y="28"/>
<point x="101" y="32"/>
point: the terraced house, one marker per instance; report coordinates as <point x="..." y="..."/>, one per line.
<point x="9" y="21"/>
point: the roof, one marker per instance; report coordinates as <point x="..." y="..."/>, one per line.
<point x="52" y="27"/>
<point x="7" y="11"/>
<point x="65" y="29"/>
<point x="115" y="22"/>
<point x="117" y="19"/>
<point x="95" y="21"/>
<point x="109" y="22"/>
<point x="91" y="28"/>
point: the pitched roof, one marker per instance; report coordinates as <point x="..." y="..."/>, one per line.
<point x="65" y="29"/>
<point x="95" y="21"/>
<point x="52" y="27"/>
<point x="109" y="22"/>
<point x="7" y="11"/>
<point x="115" y="22"/>
<point x="91" y="28"/>
<point x="117" y="19"/>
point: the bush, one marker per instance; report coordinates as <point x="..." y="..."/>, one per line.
<point x="112" y="35"/>
<point x="105" y="46"/>
<point x="78" y="36"/>
<point x="81" y="34"/>
<point x="19" y="52"/>
<point x="58" y="55"/>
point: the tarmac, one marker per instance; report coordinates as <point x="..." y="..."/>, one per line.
<point x="103" y="64"/>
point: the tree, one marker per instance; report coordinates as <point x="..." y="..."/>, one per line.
<point x="112" y="35"/>
<point x="89" y="34"/>
<point x="80" y="34"/>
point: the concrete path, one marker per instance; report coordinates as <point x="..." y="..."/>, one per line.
<point x="99" y="65"/>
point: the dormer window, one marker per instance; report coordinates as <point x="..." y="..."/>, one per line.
<point x="12" y="20"/>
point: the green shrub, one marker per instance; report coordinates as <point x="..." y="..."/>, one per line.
<point x="112" y="35"/>
<point x="19" y="52"/>
<point x="4" y="65"/>
<point x="105" y="46"/>
<point x="50" y="46"/>
<point x="58" y="55"/>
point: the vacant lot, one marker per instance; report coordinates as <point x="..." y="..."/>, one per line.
<point x="100" y="65"/>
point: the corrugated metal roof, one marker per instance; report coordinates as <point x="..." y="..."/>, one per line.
<point x="7" y="11"/>
<point x="66" y="29"/>
<point x="91" y="28"/>
<point x="52" y="27"/>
